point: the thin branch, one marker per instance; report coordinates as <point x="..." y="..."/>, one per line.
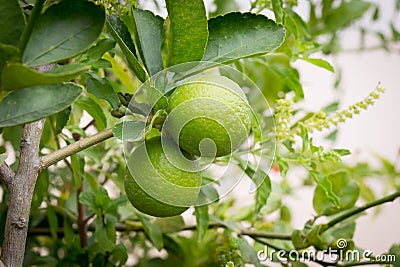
<point x="74" y="148"/>
<point x="6" y="174"/>
<point x="268" y="235"/>
<point x="357" y="210"/>
<point x="136" y="226"/>
<point x="89" y="217"/>
<point x="82" y="226"/>
<point x="88" y="125"/>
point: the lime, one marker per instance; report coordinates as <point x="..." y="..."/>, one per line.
<point x="208" y="116"/>
<point x="162" y="181"/>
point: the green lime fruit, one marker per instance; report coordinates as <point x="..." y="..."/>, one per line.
<point x="209" y="116"/>
<point x="162" y="181"/>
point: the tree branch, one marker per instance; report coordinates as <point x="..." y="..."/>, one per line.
<point x="136" y="226"/>
<point x="6" y="174"/>
<point x="357" y="210"/>
<point x="20" y="195"/>
<point x="76" y="147"/>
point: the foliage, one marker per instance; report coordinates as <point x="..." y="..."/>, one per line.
<point x="79" y="64"/>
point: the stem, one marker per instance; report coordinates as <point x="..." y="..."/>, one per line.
<point x="6" y="174"/>
<point x="82" y="226"/>
<point x="357" y="210"/>
<point x="74" y="148"/>
<point x="20" y="195"/>
<point x="135" y="226"/>
<point x="280" y="236"/>
<point x="26" y="34"/>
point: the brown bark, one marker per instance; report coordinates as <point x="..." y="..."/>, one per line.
<point x="20" y="189"/>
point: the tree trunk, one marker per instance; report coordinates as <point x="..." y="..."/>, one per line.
<point x="21" y="188"/>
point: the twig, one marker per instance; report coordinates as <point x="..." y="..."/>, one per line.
<point x="82" y="226"/>
<point x="76" y="147"/>
<point x="89" y="217"/>
<point x="268" y="235"/>
<point x="357" y="210"/>
<point x="135" y="226"/>
<point x="6" y="174"/>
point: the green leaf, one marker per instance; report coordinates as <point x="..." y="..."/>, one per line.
<point x="101" y="199"/>
<point x="320" y="63"/>
<point x="61" y="119"/>
<point x="102" y="88"/>
<point x="278" y="10"/>
<point x="30" y="104"/>
<point x="121" y="34"/>
<point x="285" y="214"/>
<point x="188" y="31"/>
<point x="223" y="7"/>
<point x="344" y="230"/>
<point x="239" y="35"/>
<point x="347" y="12"/>
<point x="332" y="107"/>
<point x="343" y="187"/>
<point x="63" y="31"/>
<point x="301" y="26"/>
<point x="3" y="158"/>
<point x="87" y="199"/>
<point x="41" y="189"/>
<point x="148" y="38"/>
<point x="202" y="220"/>
<point x="130" y="130"/>
<point x="325" y="186"/>
<point x="77" y="165"/>
<point x="12" y="22"/>
<point x="8" y="53"/>
<point x="280" y="66"/>
<point x="116" y="203"/>
<point x="94" y="110"/>
<point x="53" y="221"/>
<point x="170" y="224"/>
<point x="341" y="152"/>
<point x="18" y="76"/>
<point x="263" y="191"/>
<point x="248" y="254"/>
<point x="105" y="235"/>
<point x="395" y="251"/>
<point x="274" y="200"/>
<point x="153" y="231"/>
<point x="119" y="255"/>
<point x="208" y="193"/>
<point x="97" y="51"/>
<point x="262" y="183"/>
